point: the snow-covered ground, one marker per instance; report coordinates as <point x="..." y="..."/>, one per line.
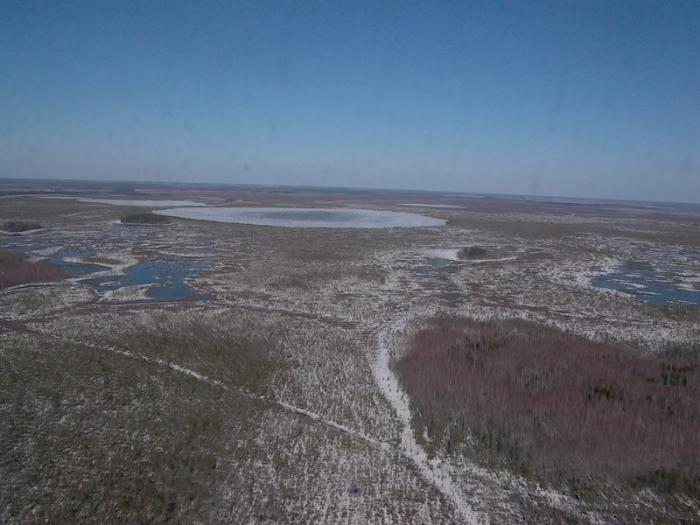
<point x="326" y="436"/>
<point x="434" y="470"/>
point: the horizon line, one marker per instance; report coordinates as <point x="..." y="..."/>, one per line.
<point x="455" y="193"/>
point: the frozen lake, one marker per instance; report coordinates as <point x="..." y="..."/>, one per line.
<point x="147" y="203"/>
<point x="307" y="217"/>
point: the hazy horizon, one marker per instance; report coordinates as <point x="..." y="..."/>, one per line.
<point x="326" y="188"/>
<point x="581" y="100"/>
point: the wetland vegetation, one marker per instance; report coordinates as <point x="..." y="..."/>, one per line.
<point x="16" y="268"/>
<point x="471" y="252"/>
<point x="19" y="226"/>
<point x="145" y="218"/>
<point x="187" y="373"/>
<point x="557" y="407"/>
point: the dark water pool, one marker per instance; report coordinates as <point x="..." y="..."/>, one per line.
<point x="166" y="277"/>
<point x="438" y="262"/>
<point x="427" y="268"/>
<point x="59" y="258"/>
<point x="76" y="269"/>
<point x="662" y="285"/>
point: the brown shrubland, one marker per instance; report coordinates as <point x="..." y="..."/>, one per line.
<point x="19" y="226"/>
<point x="555" y="406"/>
<point x="16" y="268"/>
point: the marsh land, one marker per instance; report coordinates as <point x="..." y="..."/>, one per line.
<point x="345" y="356"/>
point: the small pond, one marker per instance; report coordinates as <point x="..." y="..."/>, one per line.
<point x="166" y="277"/>
<point x="75" y="268"/>
<point x="658" y="285"/>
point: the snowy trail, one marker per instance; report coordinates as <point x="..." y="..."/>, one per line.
<point x="433" y="470"/>
<point x="337" y="426"/>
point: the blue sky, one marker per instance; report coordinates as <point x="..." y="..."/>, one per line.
<point x="576" y="98"/>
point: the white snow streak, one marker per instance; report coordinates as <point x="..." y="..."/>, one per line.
<point x="434" y="471"/>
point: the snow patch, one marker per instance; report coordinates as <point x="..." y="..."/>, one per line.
<point x="433" y="470"/>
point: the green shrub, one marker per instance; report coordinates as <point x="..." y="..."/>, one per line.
<point x="472" y="252"/>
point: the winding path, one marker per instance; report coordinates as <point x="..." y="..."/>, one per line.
<point x="436" y="472"/>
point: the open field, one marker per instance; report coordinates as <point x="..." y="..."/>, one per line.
<point x="201" y="371"/>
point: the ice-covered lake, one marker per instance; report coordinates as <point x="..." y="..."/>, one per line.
<point x="147" y="203"/>
<point x="307" y="217"/>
